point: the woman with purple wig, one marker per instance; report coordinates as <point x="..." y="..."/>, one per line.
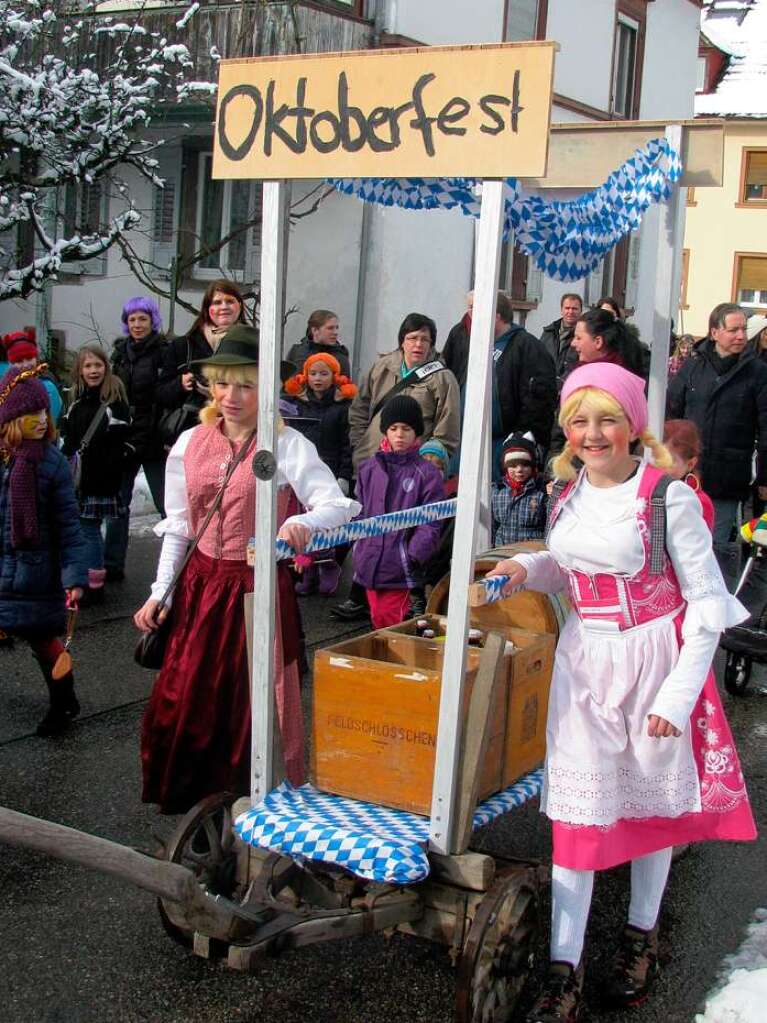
<point x="136" y="359"/>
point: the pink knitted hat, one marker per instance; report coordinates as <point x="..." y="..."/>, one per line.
<point x="21" y="393"/>
<point x="625" y="387"/>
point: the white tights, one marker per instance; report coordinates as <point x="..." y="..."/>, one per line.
<point x="571" y="900"/>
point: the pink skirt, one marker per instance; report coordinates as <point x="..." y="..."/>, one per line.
<point x="725" y="813"/>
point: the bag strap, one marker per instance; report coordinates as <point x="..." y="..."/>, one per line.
<point x="658" y="525"/>
<point x="420" y="372"/>
<point x="557" y="489"/>
<point x="93" y="426"/>
<point x="211" y="512"/>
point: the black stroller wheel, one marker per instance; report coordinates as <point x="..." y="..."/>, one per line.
<point x="737" y="673"/>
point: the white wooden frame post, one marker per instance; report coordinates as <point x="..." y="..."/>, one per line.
<point x="443" y="826"/>
<point x="265" y="564"/>
<point x="667" y="279"/>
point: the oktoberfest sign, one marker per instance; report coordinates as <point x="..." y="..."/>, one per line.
<point x="479" y="111"/>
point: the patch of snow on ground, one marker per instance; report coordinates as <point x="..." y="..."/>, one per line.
<point x="743" y="996"/>
<point x="143" y="514"/>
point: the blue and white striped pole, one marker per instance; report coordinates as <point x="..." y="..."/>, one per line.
<point x="377" y="525"/>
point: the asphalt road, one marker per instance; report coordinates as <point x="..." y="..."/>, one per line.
<point x="81" y="948"/>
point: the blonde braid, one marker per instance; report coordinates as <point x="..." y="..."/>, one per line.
<point x="661" y="455"/>
<point x="562" y="464"/>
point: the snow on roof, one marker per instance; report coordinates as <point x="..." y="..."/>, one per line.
<point x="740" y="29"/>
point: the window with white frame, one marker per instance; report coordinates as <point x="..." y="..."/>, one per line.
<point x="700" y="80"/>
<point x="224" y="211"/>
<point x="751" y="280"/>
<point x="625" y="65"/>
<point x="519" y="277"/>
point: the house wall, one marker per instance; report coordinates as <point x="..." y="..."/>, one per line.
<point x="422" y="261"/>
<point x="442" y="22"/>
<point x="716" y="229"/>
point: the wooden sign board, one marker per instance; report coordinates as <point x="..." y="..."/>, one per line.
<point x="470" y="111"/>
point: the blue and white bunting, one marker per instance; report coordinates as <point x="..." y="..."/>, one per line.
<point x="566" y="240"/>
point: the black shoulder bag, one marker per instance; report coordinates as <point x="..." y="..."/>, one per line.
<point x="173" y="421"/>
<point x="150" y="649"/>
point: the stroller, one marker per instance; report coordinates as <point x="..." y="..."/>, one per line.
<point x="747" y="643"/>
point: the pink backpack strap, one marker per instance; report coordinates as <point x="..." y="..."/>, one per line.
<point x="653" y="486"/>
<point x="560" y="491"/>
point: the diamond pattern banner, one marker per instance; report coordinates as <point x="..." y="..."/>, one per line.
<point x="566" y="240"/>
<point x="373" y="842"/>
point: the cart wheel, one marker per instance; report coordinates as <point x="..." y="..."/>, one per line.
<point x="737" y="673"/>
<point x="498" y="951"/>
<point x="203" y="842"/>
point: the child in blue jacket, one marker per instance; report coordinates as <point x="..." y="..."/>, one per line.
<point x="519" y="500"/>
<point x="42" y="551"/>
<point x="395" y="478"/>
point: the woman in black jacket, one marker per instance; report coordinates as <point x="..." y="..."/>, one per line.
<point x="136" y="360"/>
<point x="102" y="456"/>
<point x="321" y="336"/>
<point x="180" y="390"/>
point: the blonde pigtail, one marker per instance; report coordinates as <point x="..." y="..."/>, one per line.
<point x="562" y="464"/>
<point x="661" y="455"/>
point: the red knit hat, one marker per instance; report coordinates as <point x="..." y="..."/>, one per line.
<point x="298" y="382"/>
<point x="21" y="345"/>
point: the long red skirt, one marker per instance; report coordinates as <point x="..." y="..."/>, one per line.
<point x="195" y="737"/>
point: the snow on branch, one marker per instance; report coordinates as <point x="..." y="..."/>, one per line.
<point x="76" y="97"/>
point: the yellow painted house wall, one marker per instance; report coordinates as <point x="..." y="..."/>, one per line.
<point x="716" y="229"/>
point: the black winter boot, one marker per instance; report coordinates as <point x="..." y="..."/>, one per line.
<point x="635" y="968"/>
<point x="560" y="998"/>
<point x="63" y="706"/>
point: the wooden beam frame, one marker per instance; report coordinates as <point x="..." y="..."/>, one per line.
<point x="265" y="565"/>
<point x="444" y="826"/>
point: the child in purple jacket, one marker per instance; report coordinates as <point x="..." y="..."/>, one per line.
<point x="395" y="478"/>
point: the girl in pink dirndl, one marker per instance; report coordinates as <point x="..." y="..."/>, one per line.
<point x="195" y="736"/>
<point x="639" y="753"/>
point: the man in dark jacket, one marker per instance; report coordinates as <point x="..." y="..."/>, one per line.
<point x="455" y="354"/>
<point x="722" y="388"/>
<point x="557" y="336"/>
<point x="524" y="383"/>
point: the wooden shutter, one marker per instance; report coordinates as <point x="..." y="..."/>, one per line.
<point x="752" y="273"/>
<point x="756" y="172"/>
<point x="89" y="205"/>
<point x="166" y="205"/>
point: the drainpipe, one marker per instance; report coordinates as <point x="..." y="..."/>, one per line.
<point x="362" y="273"/>
<point x="377" y="13"/>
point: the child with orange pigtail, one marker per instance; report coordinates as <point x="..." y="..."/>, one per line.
<point x="682" y="438"/>
<point x="43" y="559"/>
<point x="319" y="409"/>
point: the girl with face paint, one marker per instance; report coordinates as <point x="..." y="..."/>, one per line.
<point x="42" y="550"/>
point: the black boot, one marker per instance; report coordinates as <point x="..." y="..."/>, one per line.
<point x="560" y="998"/>
<point x="63" y="706"/>
<point x="635" y="967"/>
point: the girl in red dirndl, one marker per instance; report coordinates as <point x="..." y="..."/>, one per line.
<point x="639" y="753"/>
<point x="195" y="737"/>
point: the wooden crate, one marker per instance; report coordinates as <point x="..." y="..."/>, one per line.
<point x="376" y="709"/>
<point x="526" y="683"/>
